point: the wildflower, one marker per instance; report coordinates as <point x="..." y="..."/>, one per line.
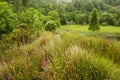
<point x="43" y="62"/>
<point x="9" y="77"/>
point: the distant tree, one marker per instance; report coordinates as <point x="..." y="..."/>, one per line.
<point x="94" y="21"/>
<point x="71" y="16"/>
<point x="117" y="22"/>
<point x="81" y="19"/>
<point x="110" y="18"/>
<point x="78" y="19"/>
<point x="63" y="19"/>
<point x="24" y="2"/>
<point x="69" y="7"/>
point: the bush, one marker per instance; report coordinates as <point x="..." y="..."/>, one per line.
<point x="7" y="18"/>
<point x="104" y="24"/>
<point x="50" y="26"/>
<point x="54" y="16"/>
<point x="22" y="34"/>
<point x="32" y="17"/>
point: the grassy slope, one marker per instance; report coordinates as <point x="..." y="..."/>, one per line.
<point x="110" y="29"/>
<point x="64" y="56"/>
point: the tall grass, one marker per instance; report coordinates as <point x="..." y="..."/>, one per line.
<point x="62" y="56"/>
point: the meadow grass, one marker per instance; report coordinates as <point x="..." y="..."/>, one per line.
<point x="84" y="28"/>
<point x="62" y="56"/>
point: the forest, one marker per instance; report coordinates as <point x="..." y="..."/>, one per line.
<point x="59" y="39"/>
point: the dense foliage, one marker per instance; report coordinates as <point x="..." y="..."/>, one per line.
<point x="7" y="18"/>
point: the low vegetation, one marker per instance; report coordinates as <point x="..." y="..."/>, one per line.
<point x="62" y="56"/>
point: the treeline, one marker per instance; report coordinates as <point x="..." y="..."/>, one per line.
<point x="36" y="13"/>
<point x="108" y="11"/>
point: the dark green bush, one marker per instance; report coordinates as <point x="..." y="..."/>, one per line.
<point x="50" y="26"/>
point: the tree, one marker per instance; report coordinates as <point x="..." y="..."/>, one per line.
<point x="55" y="17"/>
<point x="63" y="19"/>
<point x="69" y="7"/>
<point x="71" y="16"/>
<point x="7" y="18"/>
<point x="31" y="17"/>
<point x="94" y="21"/>
<point x="81" y="19"/>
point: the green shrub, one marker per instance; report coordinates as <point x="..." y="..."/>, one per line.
<point x="54" y="16"/>
<point x="31" y="17"/>
<point x="22" y="34"/>
<point x="104" y="24"/>
<point x="6" y="43"/>
<point x="7" y="18"/>
<point x="50" y="26"/>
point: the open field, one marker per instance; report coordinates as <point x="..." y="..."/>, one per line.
<point x="84" y="28"/>
<point x="108" y="32"/>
